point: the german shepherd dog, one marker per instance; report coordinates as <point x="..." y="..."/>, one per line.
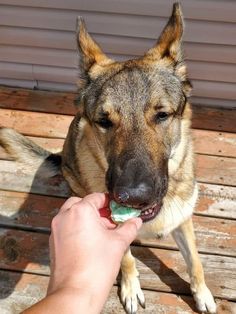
<point x="131" y="137"/>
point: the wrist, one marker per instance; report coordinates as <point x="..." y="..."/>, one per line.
<point x="79" y="300"/>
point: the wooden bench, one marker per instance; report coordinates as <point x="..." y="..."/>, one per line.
<point x="27" y="206"/>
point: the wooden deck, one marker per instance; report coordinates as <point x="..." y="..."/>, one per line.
<point x="28" y="204"/>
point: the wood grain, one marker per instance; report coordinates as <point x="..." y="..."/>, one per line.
<point x="205" y="142"/>
<point x="210" y="118"/>
<point x="35" y="212"/>
<point x="215" y="236"/>
<point x="216" y="200"/>
<point x="39" y="101"/>
<point x="15" y="177"/>
<point x="28" y="203"/>
<point x="36" y="123"/>
<point x="159" y="269"/>
<point x="214" y="143"/>
<point x="52" y="144"/>
<point x="29" y="288"/>
<point x="207" y="118"/>
<point x="218" y="170"/>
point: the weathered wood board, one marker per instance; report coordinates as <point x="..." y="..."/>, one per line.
<point x="207" y="118"/>
<point x="216" y="201"/>
<point x="36" y="123"/>
<point x="29" y="288"/>
<point x="205" y="142"/>
<point x="15" y="176"/>
<point x="213" y="169"/>
<point x="28" y="204"/>
<point x="34" y="212"/>
<point x="159" y="269"/>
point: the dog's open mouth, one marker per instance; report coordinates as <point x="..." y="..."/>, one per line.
<point x="150" y="213"/>
<point x="120" y="213"/>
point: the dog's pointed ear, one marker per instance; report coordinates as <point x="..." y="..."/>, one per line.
<point x="91" y="55"/>
<point x="169" y="47"/>
<point x="169" y="42"/>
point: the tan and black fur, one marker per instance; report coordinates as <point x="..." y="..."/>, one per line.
<point x="131" y="138"/>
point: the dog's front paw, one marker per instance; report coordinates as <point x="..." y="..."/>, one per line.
<point x="131" y="294"/>
<point x="204" y="300"/>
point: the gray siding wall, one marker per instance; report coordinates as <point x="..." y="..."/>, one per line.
<point x="38" y="47"/>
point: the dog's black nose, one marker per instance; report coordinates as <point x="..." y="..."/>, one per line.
<point x="136" y="196"/>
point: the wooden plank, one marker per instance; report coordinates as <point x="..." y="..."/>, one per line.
<point x="15" y="177"/>
<point x="52" y="144"/>
<point x="28" y="210"/>
<point x="211" y="169"/>
<point x="35" y="123"/>
<point x="207" y="118"/>
<point x="163" y="303"/>
<point x="20" y="250"/>
<point x="19" y="291"/>
<point x="36" y="211"/>
<point x="21" y="210"/>
<point x="205" y="142"/>
<point x="214" y="143"/>
<point x="40" y="101"/>
<point x="170" y="269"/>
<point x="216" y="200"/>
<point x="215" y="236"/>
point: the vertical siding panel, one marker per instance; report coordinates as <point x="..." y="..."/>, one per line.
<point x="38" y="47"/>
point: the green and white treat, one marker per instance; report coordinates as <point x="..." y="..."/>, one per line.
<point x="121" y="213"/>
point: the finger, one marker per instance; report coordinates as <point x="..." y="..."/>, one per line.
<point x="95" y="201"/>
<point x="51" y="253"/>
<point x="69" y="203"/>
<point x="129" y="230"/>
<point x="108" y="223"/>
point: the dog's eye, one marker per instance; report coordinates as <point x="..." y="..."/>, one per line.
<point x="105" y="123"/>
<point x="161" y="116"/>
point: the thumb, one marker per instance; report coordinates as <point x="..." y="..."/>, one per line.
<point x="129" y="230"/>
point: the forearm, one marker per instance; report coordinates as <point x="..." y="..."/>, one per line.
<point x="69" y="301"/>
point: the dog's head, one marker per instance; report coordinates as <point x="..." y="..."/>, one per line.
<point x="135" y="110"/>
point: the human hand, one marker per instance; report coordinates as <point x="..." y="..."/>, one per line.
<point x="86" y="249"/>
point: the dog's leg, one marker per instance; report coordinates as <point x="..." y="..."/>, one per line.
<point x="185" y="239"/>
<point x="131" y="292"/>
